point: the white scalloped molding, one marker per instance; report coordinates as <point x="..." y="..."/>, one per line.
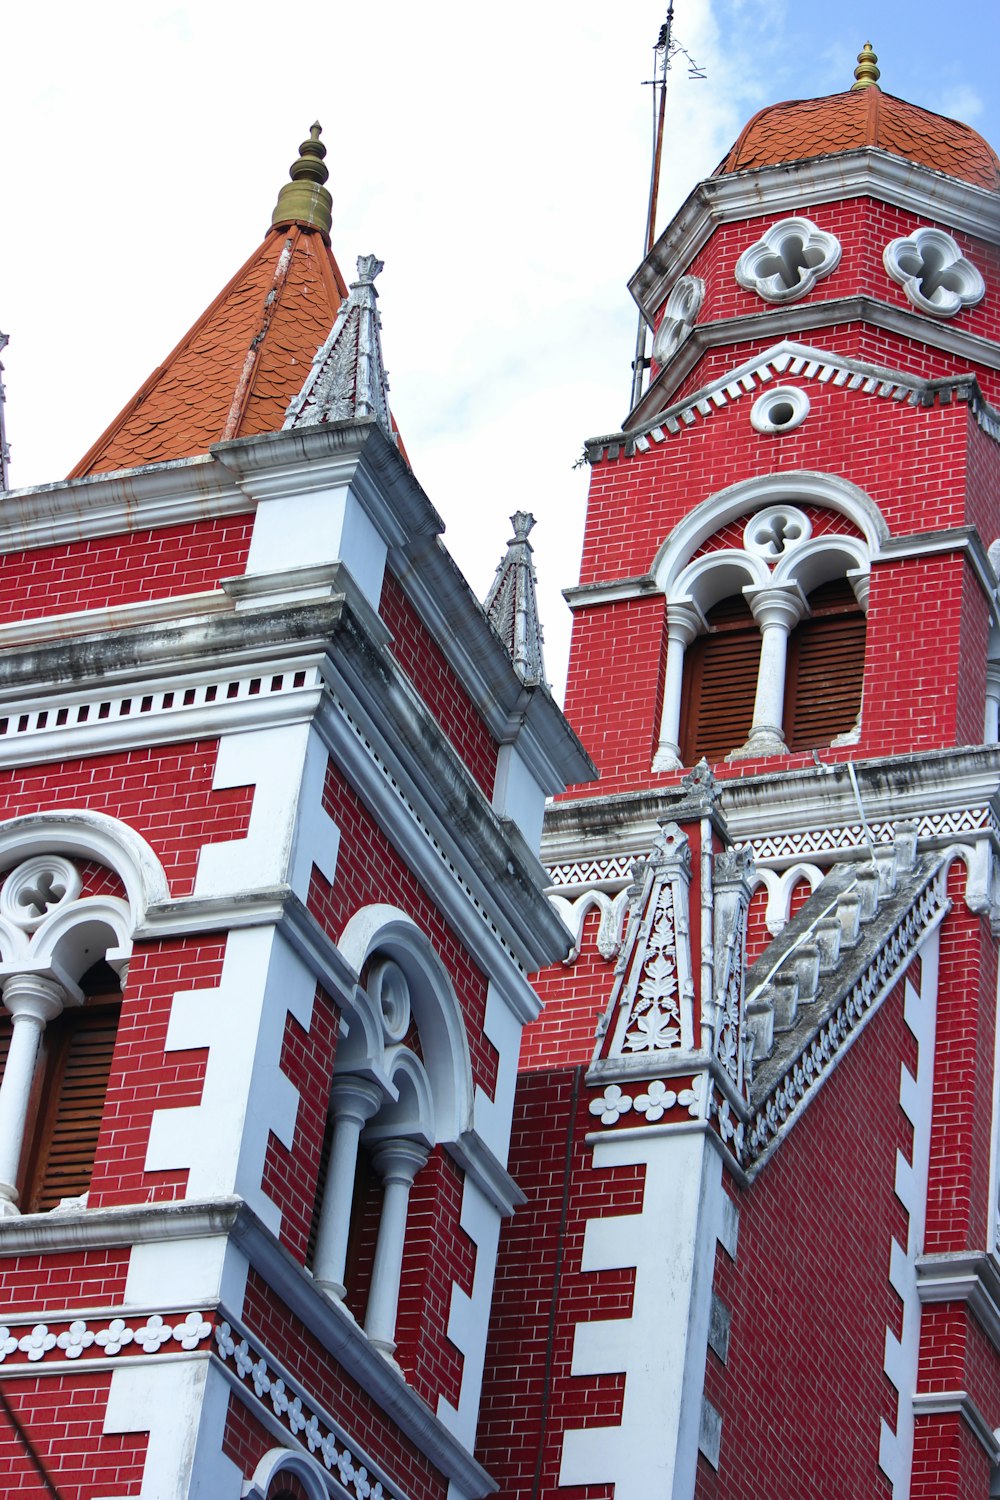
<point x="788" y="260"/>
<point x="182" y="1404"/>
<point x="916" y="1098"/>
<point x="679" y="314"/>
<point x="662" y="1346"/>
<point x="933" y="272"/>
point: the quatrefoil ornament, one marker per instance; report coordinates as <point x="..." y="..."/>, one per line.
<point x="679" y="314"/>
<point x="37" y="887"/>
<point x="933" y="272"/>
<point x="788" y="260"/>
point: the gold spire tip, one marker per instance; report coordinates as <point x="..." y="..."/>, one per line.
<point x="867" y="72"/>
<point x="304" y="199"/>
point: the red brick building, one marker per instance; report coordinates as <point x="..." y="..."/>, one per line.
<point x="759" y="1252"/>
<point x="288" y="1205"/>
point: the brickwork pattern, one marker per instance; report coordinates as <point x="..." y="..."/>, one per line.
<point x="425" y="664"/>
<point x="529" y="1396"/>
<point x="164" y="793"/>
<point x="809" y="1293"/>
<point x="146" y="1077"/>
<point x="128" y="568"/>
<point x="64" y="1417"/>
<point x="301" y="1352"/>
<point x="290" y="1176"/>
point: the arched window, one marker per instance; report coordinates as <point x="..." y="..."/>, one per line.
<point x="401" y="1086"/>
<point x="62" y="953"/>
<point x="826" y="660"/>
<point x="720" y="682"/>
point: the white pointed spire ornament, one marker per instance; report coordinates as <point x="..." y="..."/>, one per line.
<point x="347" y="381"/>
<point x="512" y="605"/>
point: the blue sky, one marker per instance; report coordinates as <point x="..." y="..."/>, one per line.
<point x="496" y="157"/>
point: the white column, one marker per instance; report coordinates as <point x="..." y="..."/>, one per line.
<point x="776" y="611"/>
<point x="991" y="733"/>
<point x="32" y="1003"/>
<point x="397" y="1162"/>
<point x="684" y="622"/>
<point x="353" y="1101"/>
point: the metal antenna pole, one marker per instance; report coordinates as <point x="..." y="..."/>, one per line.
<point x="661" y="60"/>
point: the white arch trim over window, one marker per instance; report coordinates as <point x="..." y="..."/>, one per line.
<point x="89" y="835"/>
<point x="281" y="1463"/>
<point x="775" y="589"/>
<point x="393" y="934"/>
<point x="801" y="487"/>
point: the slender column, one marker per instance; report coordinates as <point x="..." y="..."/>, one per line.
<point x="991" y="734"/>
<point x="776" y="611"/>
<point x="397" y="1162"/>
<point x="353" y="1101"/>
<point x="32" y="1003"/>
<point x="684" y="621"/>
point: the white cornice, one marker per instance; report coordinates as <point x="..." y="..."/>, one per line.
<point x="783" y="189"/>
<point x="802" y="318"/>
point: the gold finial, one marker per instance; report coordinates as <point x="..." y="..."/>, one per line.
<point x="304" y="200"/>
<point x="866" y="73"/>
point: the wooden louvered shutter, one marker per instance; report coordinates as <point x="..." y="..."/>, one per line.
<point x="720" y="683"/>
<point x="826" y="660"/>
<point x="72" y="1084"/>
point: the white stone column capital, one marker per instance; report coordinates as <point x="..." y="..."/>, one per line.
<point x="398" y="1161"/>
<point x="684" y="621"/>
<point x="776" y="606"/>
<point x="32" y="998"/>
<point x="355" y="1099"/>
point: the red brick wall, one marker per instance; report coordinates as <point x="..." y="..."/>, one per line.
<point x="529" y="1396"/>
<point x="144" y="1076"/>
<point x="88" y="1278"/>
<point x="165" y="793"/>
<point x="123" y="569"/>
<point x="809" y="1292"/>
<point x="63" y="1416"/>
<point x="290" y="1176"/>
<point x="573" y="996"/>
<point x="304" y="1356"/>
<point x="370" y="869"/>
<point x="425" y="664"/>
<point x="958" y="1192"/>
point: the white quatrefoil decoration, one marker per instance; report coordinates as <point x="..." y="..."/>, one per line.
<point x="933" y="272"/>
<point x="774" y="531"/>
<point x="679" y="314"/>
<point x="788" y="260"/>
<point x="36" y="887"/>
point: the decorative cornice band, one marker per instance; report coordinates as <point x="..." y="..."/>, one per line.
<point x="866" y="173"/>
<point x="940" y="1403"/>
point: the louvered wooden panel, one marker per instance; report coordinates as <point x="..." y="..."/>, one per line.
<point x="720" y="683"/>
<point x="80" y="1048"/>
<point x="826" y="660"/>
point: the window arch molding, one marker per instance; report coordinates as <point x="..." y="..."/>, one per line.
<point x="799" y="487"/>
<point x="392" y="934"/>
<point x="89" y="835"/>
<point x="775" y="589"/>
<point x="53" y="942"/>
<point x="281" y="1465"/>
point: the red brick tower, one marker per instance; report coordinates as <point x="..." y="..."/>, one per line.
<point x="759" y="1254"/>
<point x="271" y="790"/>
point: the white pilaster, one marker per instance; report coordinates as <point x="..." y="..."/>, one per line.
<point x="397" y="1162"/>
<point x="32" y="1002"/>
<point x="353" y="1102"/>
<point x="777" y="611"/>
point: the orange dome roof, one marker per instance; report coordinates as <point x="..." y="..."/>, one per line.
<point x="858" y="118"/>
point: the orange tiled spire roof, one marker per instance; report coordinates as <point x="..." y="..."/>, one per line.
<point x="863" y="116"/>
<point x="235" y="371"/>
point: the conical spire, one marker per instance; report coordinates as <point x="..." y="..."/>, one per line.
<point x="866" y="73"/>
<point x="304" y="200"/>
<point x="512" y="606"/>
<point x="347" y="379"/>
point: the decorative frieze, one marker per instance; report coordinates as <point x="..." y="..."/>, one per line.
<point x="103" y="1337"/>
<point x="311" y="1427"/>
